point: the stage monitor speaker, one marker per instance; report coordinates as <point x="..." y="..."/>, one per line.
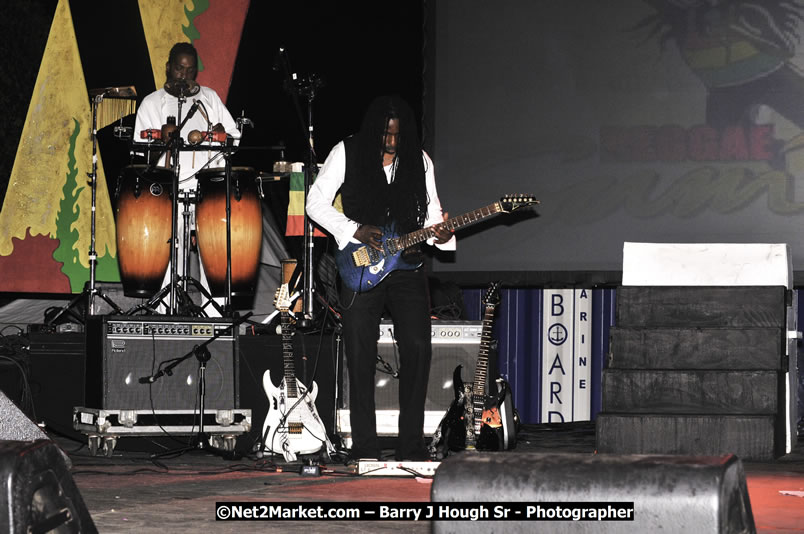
<point x="705" y="494"/>
<point x="454" y="343"/>
<point x="39" y="494"/>
<point x="123" y="351"/>
<point x="15" y="425"/>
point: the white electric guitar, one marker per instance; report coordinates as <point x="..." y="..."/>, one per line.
<point x="292" y="425"/>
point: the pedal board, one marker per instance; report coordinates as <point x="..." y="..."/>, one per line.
<point x="395" y="468"/>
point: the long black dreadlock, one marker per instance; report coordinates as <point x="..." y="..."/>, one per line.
<point x="406" y="198"/>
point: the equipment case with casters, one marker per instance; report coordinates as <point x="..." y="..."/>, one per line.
<point x="104" y="427"/>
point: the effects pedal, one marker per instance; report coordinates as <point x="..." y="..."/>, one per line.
<point x="395" y="468"/>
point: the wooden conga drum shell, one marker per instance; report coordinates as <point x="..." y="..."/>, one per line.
<point x="246" y="229"/>
<point x="143" y="228"/>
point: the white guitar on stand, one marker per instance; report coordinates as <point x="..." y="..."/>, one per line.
<point x="292" y="425"/>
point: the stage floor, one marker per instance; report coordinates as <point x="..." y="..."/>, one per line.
<point x="131" y="493"/>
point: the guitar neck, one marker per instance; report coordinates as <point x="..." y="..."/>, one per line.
<point x="453" y="223"/>
<point x="482" y="367"/>
<point x="287" y="354"/>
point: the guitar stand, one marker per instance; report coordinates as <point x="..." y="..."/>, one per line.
<point x="259" y="447"/>
<point x="200" y="441"/>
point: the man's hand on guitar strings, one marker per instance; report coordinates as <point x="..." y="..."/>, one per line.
<point x="370" y="235"/>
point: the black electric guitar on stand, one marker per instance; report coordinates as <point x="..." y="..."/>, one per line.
<point x="292" y="425"/>
<point x="478" y="418"/>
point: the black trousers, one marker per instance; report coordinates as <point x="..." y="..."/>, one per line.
<point x="405" y="295"/>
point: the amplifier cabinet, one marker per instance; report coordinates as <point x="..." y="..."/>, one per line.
<point x="453" y="342"/>
<point x="123" y="351"/>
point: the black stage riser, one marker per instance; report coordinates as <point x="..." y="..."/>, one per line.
<point x="696" y="348"/>
<point x="701" y="306"/>
<point x="698" y="370"/>
<point x="751" y="437"/>
<point x="690" y="392"/>
<point x="670" y="493"/>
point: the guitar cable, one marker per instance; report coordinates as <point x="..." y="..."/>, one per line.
<point x="387" y="368"/>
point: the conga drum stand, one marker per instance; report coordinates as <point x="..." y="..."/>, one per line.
<point x="176" y="290"/>
<point x="185" y="306"/>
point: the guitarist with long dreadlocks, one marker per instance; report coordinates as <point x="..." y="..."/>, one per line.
<point x="386" y="181"/>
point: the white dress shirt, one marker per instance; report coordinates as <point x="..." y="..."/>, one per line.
<point x="154" y="111"/>
<point x="328" y="182"/>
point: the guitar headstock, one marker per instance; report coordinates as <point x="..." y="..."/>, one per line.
<point x="510" y="203"/>
<point x="282" y="299"/>
<point x="492" y="295"/>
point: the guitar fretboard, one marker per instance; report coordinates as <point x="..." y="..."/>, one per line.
<point x="453" y="223"/>
<point x="482" y="367"/>
<point x="287" y="354"/>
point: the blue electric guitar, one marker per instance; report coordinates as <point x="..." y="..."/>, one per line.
<point x="363" y="267"/>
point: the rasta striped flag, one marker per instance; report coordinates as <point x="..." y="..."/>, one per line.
<point x="296" y="201"/>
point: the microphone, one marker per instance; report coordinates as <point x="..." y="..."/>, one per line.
<point x="192" y="111"/>
<point x="182" y="87"/>
<point x="151" y="379"/>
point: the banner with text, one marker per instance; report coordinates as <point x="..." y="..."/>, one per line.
<point x="566" y="355"/>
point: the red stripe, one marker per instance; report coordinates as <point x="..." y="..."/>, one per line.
<point x="221" y="27"/>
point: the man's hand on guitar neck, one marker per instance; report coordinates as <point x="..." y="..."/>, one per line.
<point x="370" y="235"/>
<point x="442" y="233"/>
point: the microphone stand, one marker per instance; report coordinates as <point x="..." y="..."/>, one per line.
<point x="90" y="289"/>
<point x="201" y="353"/>
<point x="306" y="87"/>
<point x="174" y="144"/>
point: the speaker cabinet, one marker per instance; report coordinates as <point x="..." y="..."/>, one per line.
<point x="39" y="494"/>
<point x="454" y="343"/>
<point x="15" y="425"/>
<point x="669" y="493"/>
<point x="123" y="351"/>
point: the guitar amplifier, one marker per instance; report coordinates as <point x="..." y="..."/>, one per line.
<point x="453" y="342"/>
<point x="123" y="351"/>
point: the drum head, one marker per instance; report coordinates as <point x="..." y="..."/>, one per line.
<point x="218" y="174"/>
<point x="159" y="175"/>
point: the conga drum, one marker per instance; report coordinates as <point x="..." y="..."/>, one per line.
<point x="143" y="228"/>
<point x="246" y="229"/>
